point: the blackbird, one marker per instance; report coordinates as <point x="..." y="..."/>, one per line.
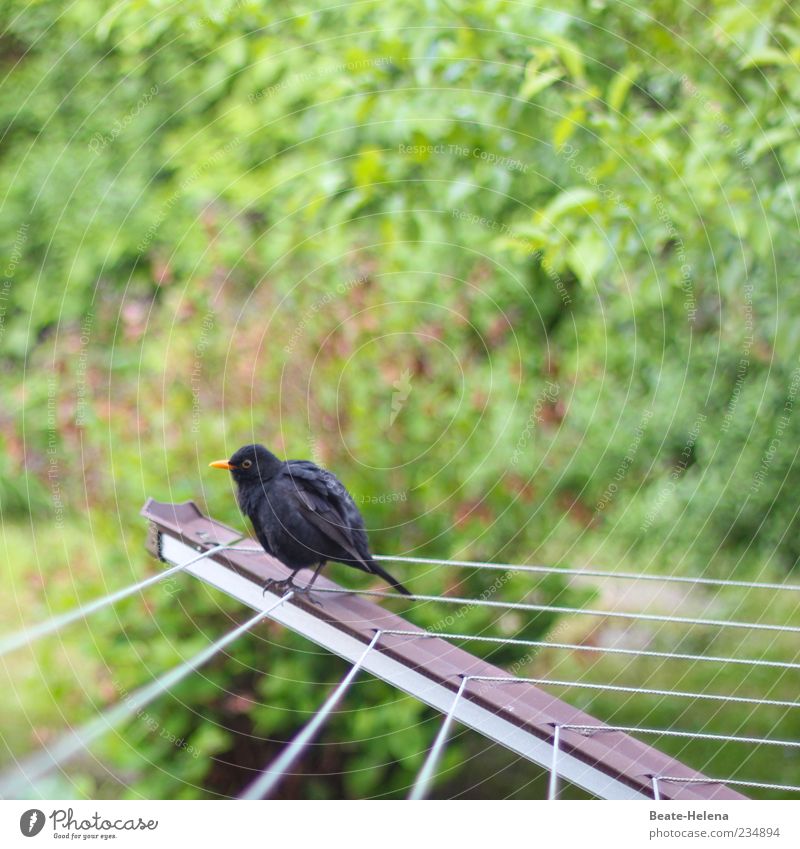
<point x="301" y="514"/>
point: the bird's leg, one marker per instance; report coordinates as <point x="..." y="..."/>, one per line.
<point x="307" y="588"/>
<point x="319" y="568"/>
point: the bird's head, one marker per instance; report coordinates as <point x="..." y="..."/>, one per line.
<point x="250" y="464"/>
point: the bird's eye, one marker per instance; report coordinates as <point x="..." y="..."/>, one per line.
<point x="246" y="464"/>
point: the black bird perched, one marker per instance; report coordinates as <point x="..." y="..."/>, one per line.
<point x="301" y="514"/>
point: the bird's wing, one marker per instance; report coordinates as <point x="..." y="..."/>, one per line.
<point x="325" y="502"/>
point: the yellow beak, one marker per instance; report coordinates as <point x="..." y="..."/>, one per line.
<point x="221" y="464"/>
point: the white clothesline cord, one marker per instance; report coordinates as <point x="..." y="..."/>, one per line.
<point x="21" y="638"/>
<point x="73" y="742"/>
<point x="545" y="644"/>
<point x="571" y="573"/>
<point x="589" y="730"/>
<point x="425" y="776"/>
<point x="647" y="691"/>
<point x="423" y="780"/>
<point x="591" y="573"/>
<point x="735" y="782"/>
<point x="552" y="784"/>
<point x="544" y="608"/>
<point x="264" y="785"/>
<point x="422" y="783"/>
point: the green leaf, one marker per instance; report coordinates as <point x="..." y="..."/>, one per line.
<point x="538" y="82"/>
<point x="765" y="56"/>
<point x="621" y="85"/>
<point x="588" y="255"/>
<point x="568" y="201"/>
<point x="771" y="139"/>
<point x="571" y="56"/>
<point x="567" y="125"/>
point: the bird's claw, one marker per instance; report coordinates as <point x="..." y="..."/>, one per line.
<point x="282" y="586"/>
<point x="305" y="591"/>
<point x="286" y="584"/>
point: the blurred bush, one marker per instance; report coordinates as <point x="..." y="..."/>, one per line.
<point x="521" y="276"/>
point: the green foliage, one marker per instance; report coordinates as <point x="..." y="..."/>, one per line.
<point x="521" y="276"/>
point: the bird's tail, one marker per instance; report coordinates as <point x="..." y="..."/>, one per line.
<point x="379" y="570"/>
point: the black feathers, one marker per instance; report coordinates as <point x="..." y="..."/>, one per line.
<point x="301" y="514"/>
